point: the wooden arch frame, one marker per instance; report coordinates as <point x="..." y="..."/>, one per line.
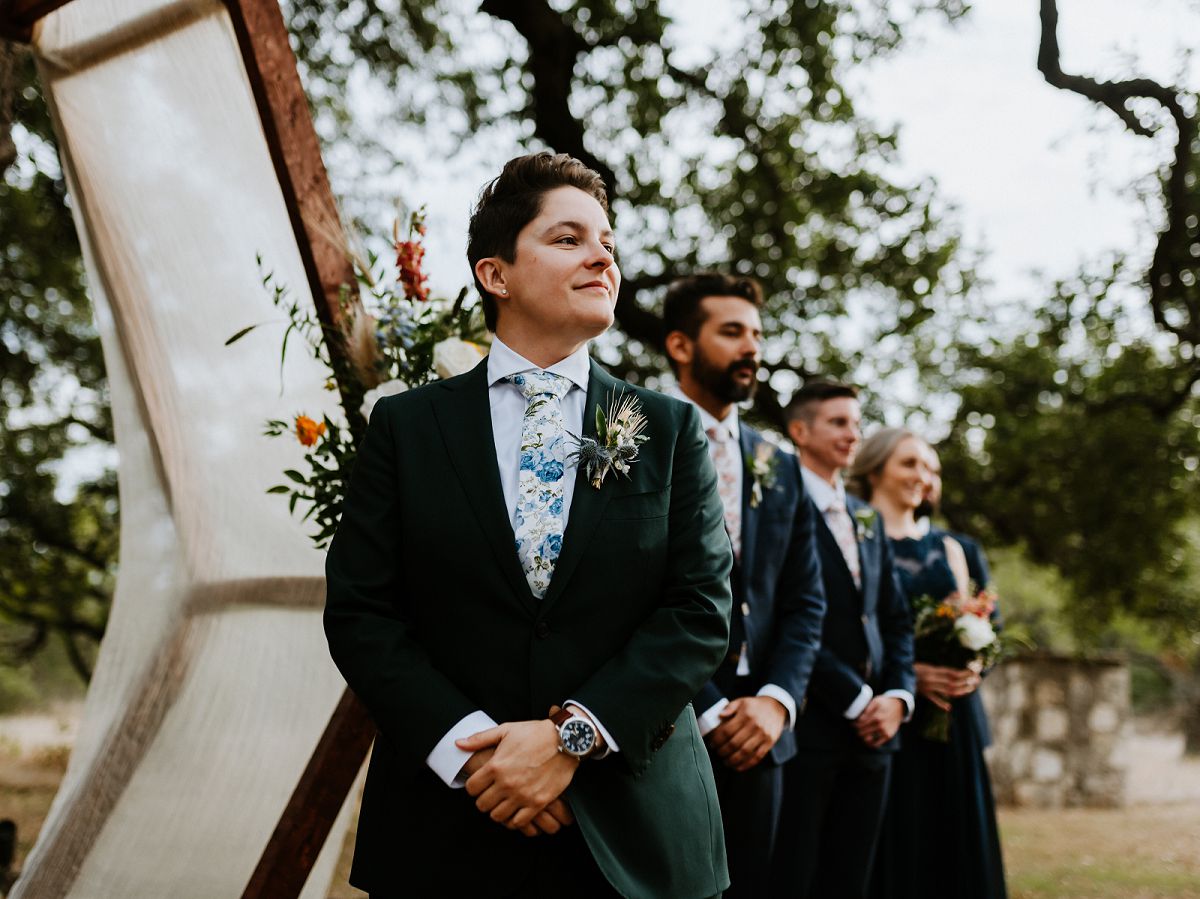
<point x="305" y="822"/>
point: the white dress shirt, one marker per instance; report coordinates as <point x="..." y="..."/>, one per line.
<point x="825" y="496"/>
<point x="508" y="414"/>
<point x="711" y="717"/>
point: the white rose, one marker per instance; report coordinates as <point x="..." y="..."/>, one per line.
<point x="974" y="632"/>
<point x="454" y="356"/>
<point x="375" y="394"/>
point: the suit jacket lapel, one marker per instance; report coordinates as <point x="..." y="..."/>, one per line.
<point x="465" y="420"/>
<point x="748" y="442"/>
<point x="868" y="550"/>
<point x="587" y="503"/>
<point x="825" y="537"/>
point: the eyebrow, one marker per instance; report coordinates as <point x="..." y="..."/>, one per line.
<point x="576" y="226"/>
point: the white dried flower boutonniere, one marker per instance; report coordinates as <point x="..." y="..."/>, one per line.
<point x="865" y="521"/>
<point x="618" y="438"/>
<point x="763" y="470"/>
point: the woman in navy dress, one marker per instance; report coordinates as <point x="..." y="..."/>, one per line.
<point x="939" y="839"/>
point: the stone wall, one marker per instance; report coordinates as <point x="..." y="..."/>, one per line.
<point x="1060" y="727"/>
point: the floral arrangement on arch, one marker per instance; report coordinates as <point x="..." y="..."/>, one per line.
<point x="408" y="337"/>
<point x="955" y="632"/>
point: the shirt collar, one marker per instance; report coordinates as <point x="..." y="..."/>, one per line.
<point x="822" y="493"/>
<point x="503" y="361"/>
<point x="728" y="426"/>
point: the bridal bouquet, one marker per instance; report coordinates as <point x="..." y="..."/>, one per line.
<point x="955" y="632"/>
<point x="402" y="338"/>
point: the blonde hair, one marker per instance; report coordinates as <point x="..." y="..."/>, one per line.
<point x="873" y="456"/>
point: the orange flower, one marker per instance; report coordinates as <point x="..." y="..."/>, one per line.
<point x="409" y="255"/>
<point x="308" y="431"/>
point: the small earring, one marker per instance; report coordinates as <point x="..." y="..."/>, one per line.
<point x="504" y="292"/>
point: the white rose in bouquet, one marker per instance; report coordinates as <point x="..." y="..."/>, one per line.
<point x="375" y="394"/>
<point x="974" y="632"/>
<point x="454" y="356"/>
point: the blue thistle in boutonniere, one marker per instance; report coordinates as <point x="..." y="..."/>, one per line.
<point x="865" y="521"/>
<point x="763" y="470"/>
<point x="618" y="437"/>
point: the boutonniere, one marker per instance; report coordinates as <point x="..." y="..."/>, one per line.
<point x="762" y="468"/>
<point x="618" y="437"/>
<point x="864" y="523"/>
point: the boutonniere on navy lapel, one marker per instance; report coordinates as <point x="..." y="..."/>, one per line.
<point x="618" y="439"/>
<point x="763" y="470"/>
<point x="865" y="521"/>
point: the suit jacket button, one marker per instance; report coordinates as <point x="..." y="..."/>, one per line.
<point x="541" y="630"/>
<point x="745" y="610"/>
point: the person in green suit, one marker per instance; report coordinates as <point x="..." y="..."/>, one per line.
<point x="529" y="583"/>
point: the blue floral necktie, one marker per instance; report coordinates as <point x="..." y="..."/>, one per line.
<point x="538" y="525"/>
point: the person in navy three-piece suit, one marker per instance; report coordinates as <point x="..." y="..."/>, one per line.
<point x="861" y="690"/>
<point x="749" y="707"/>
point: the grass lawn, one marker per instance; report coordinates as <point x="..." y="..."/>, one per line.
<point x="1141" y="852"/>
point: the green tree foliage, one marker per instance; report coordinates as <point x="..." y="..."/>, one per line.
<point x="1070" y="442"/>
<point x="57" y="538"/>
<point x="751" y="157"/>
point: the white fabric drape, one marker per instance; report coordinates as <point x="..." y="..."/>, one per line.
<point x="213" y="683"/>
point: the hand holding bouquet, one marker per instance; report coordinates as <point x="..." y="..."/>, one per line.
<point x="955" y="632"/>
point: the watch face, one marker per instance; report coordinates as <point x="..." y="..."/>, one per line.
<point x="578" y="736"/>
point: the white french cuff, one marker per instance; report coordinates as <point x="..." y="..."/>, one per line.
<point x="905" y="697"/>
<point x="447" y="760"/>
<point x="711" y="717"/>
<point x="784" y="698"/>
<point x="865" y="695"/>
<point x="610" y="745"/>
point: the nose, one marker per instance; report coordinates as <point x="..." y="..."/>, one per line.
<point x="600" y="258"/>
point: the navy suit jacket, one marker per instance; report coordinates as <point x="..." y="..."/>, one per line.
<point x="778" y="600"/>
<point x="867" y="637"/>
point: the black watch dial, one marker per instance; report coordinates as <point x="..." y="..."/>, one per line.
<point x="578" y="736"/>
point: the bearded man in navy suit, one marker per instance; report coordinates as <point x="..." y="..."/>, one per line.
<point x="862" y="684"/>
<point x="749" y="707"/>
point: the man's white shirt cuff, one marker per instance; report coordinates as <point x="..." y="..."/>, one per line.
<point x="784" y="698"/>
<point x="865" y="695"/>
<point x="447" y="760"/>
<point x="906" y="698"/>
<point x="711" y="717"/>
<point x="610" y="745"/>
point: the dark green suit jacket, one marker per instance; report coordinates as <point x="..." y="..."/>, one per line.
<point x="429" y="618"/>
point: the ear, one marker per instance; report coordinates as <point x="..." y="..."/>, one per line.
<point x="679" y="347"/>
<point x="490" y="272"/>
<point x="797" y="429"/>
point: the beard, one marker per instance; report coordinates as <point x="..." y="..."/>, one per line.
<point x="720" y="381"/>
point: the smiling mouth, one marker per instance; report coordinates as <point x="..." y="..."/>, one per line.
<point x="595" y="285"/>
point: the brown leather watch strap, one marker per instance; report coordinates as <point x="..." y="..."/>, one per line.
<point x="562" y="716"/>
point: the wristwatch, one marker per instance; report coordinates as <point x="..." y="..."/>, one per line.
<point x="576" y="735"/>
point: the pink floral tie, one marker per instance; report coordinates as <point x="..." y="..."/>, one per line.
<point x="725" y="458"/>
<point x="842" y="527"/>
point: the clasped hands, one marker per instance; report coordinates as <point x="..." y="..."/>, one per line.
<point x="940" y="685"/>
<point x="880" y="720"/>
<point x="518" y="776"/>
<point x="750" y="726"/>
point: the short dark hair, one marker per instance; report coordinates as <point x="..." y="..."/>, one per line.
<point x="804" y="402"/>
<point x="681" y="305"/>
<point x="513" y="199"/>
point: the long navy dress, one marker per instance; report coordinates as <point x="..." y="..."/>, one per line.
<point x="939" y="838"/>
